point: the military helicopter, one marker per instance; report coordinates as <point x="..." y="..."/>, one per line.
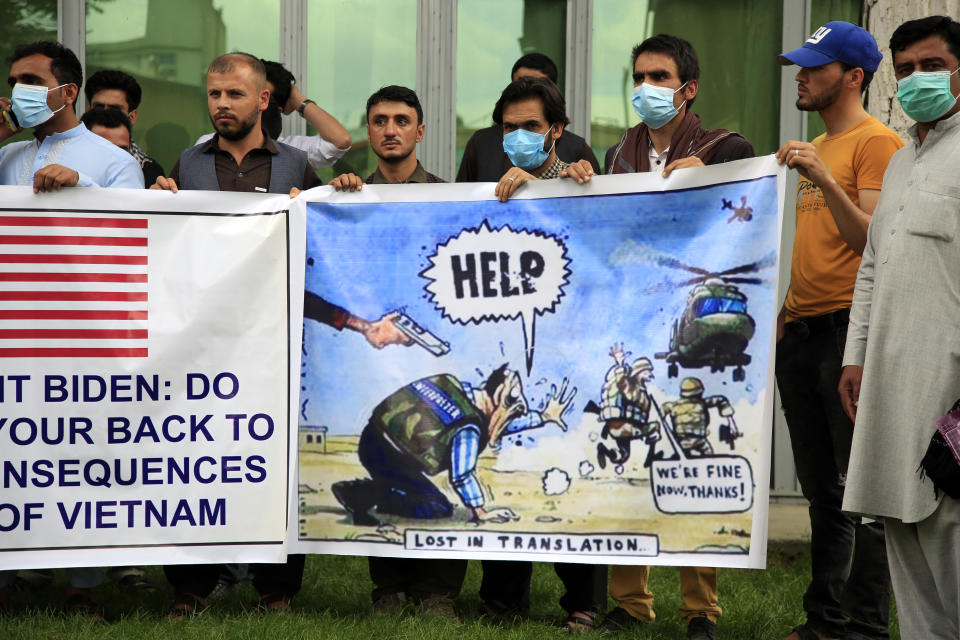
<point x="715" y="328"/>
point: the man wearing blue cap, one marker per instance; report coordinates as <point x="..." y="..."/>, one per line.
<point x="841" y="173"/>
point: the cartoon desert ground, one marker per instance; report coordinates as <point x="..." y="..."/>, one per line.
<point x="553" y="484"/>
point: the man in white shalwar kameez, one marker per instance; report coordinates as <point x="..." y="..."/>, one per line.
<point x="902" y="358"/>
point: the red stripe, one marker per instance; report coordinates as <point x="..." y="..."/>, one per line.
<point x="100" y="296"/>
<point x="60" y="352"/>
<point x="79" y="334"/>
<point x="70" y="314"/>
<point x="41" y="258"/>
<point x="115" y="223"/>
<point x="73" y="277"/>
<point x="101" y="241"/>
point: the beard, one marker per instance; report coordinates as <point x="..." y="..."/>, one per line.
<point x="243" y="128"/>
<point x="826" y="98"/>
<point x="397" y="159"/>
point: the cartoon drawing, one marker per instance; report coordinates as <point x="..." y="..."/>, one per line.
<point x="743" y="213"/>
<point x="690" y="416"/>
<point x="715" y="328"/>
<point x="625" y="407"/>
<point x="436" y="424"/>
<point x="395" y="327"/>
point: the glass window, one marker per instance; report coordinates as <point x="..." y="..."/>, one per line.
<point x="354" y="47"/>
<point x="736" y="42"/>
<point x="24" y="21"/>
<point x="821" y="12"/>
<point x="491" y="35"/>
<point x="167" y="45"/>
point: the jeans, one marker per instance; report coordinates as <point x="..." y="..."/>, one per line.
<point x="508" y="582"/>
<point x="698" y="589"/>
<point x="849" y="592"/>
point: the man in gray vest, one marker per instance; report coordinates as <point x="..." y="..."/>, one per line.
<point x="240" y="157"/>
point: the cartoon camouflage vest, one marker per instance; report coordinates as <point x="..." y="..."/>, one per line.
<point x="423" y="417"/>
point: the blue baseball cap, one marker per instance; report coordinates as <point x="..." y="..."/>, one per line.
<point x="836" y="41"/>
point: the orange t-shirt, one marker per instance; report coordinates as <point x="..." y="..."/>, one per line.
<point x="824" y="267"/>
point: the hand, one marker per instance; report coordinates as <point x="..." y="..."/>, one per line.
<point x="558" y="404"/>
<point x="6" y="131"/>
<point x="54" y="176"/>
<point x="497" y="516"/>
<point x="167" y="184"/>
<point x="294" y="101"/>
<point x="849" y="389"/>
<point x="581" y="171"/>
<point x="803" y="157"/>
<point x="384" y="332"/>
<point x="294" y="192"/>
<point x="347" y="182"/>
<point x="510" y="181"/>
<point x="618" y="354"/>
<point x="682" y="163"/>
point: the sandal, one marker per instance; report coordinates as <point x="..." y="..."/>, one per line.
<point x="187" y="605"/>
<point x="580" y="621"/>
<point x="137" y="583"/>
<point x="79" y="603"/>
<point x="275" y="603"/>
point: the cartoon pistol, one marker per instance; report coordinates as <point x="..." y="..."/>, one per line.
<point x="729" y="432"/>
<point x="421" y="336"/>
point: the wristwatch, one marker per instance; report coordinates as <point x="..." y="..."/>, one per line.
<point x="303" y="105"/>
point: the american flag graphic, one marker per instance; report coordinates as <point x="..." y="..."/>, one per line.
<point x="73" y="286"/>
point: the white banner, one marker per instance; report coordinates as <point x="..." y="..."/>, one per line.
<point x="148" y="343"/>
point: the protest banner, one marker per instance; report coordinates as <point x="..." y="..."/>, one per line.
<point x="147" y="345"/>
<point x="582" y="374"/>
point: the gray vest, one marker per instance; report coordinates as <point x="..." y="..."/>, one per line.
<point x="287" y="168"/>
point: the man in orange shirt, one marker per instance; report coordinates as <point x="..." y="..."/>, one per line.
<point x="840" y="177"/>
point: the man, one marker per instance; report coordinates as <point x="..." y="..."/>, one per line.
<point x="394" y="128"/>
<point x="332" y="140"/>
<point x="46" y="78"/>
<point x="690" y="416"/>
<point x="240" y="157"/>
<point x="666" y="78"/>
<point x="900" y="369"/>
<point x="841" y="173"/>
<point x="115" y="126"/>
<point x="532" y="114"/>
<point x="484" y="159"/>
<point x="625" y="408"/>
<point x="111" y="89"/>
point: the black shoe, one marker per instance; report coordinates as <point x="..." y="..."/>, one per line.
<point x="602" y="453"/>
<point x="356" y="498"/>
<point x="619" y="621"/>
<point x="701" y="628"/>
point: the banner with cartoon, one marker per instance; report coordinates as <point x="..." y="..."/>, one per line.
<point x="148" y="342"/>
<point x="583" y="373"/>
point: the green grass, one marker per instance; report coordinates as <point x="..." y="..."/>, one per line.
<point x="335" y="603"/>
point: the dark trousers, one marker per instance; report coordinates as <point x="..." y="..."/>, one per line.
<point x="416" y="577"/>
<point x="508" y="582"/>
<point x="849" y="593"/>
<point x="281" y="580"/>
<point x="398" y="484"/>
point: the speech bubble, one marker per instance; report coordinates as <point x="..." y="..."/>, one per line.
<point x="491" y="275"/>
<point x="711" y="484"/>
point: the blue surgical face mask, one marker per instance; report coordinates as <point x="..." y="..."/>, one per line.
<point x="29" y="104"/>
<point x="525" y="148"/>
<point x="926" y="95"/>
<point x="654" y="104"/>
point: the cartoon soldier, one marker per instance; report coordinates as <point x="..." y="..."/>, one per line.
<point x="625" y="406"/>
<point x="438" y="424"/>
<point x="691" y="417"/>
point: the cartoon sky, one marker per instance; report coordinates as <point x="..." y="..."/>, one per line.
<point x="619" y="290"/>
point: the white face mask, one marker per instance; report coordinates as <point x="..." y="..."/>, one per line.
<point x="29" y="104"/>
